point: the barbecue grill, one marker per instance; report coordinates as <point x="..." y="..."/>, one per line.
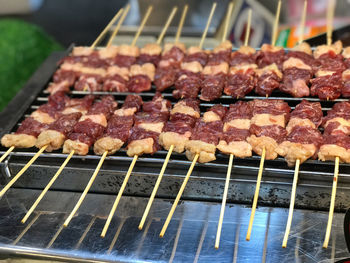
<point x="202" y="195"/>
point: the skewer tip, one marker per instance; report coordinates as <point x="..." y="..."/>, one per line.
<point x="161" y="235"/>
<point x="216" y="247"/>
<point x="102" y="235"/>
<point x="140" y="227"/>
<point x="23" y="221"/>
<point x="247" y="238"/>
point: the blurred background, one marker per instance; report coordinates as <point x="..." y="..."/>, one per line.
<point x="31" y="29"/>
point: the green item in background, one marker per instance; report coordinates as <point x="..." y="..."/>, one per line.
<point x="283" y="38"/>
<point x="23" y="47"/>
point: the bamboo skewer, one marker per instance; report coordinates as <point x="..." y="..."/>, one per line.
<point x="182" y="20"/>
<point x="98" y="39"/>
<point x="275" y="26"/>
<point x="155" y="189"/>
<point x="144" y="20"/>
<point x="291" y="205"/>
<point x="256" y="195"/>
<point x="81" y="199"/>
<point x="116" y="202"/>
<point x="227" y="22"/>
<point x="7" y="153"/>
<point x="207" y="26"/>
<point x="19" y="174"/>
<point x="223" y="204"/>
<point x="165" y="28"/>
<point x="25" y="230"/>
<point x="120" y="22"/>
<point x="330" y="15"/>
<point x="302" y="23"/>
<point x="331" y="208"/>
<point x="30" y="211"/>
<point x="247" y="32"/>
<point x="167" y="221"/>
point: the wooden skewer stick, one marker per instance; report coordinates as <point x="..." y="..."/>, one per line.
<point x="207" y="26"/>
<point x="155" y="189"/>
<point x="182" y="188"/>
<point x="330" y="15"/>
<point x="86" y="190"/>
<point x="167" y="24"/>
<point x="275" y="26"/>
<point x="7" y="153"/>
<point x="98" y="39"/>
<point x="116" y="202"/>
<point x="30" y="211"/>
<point x="144" y="20"/>
<point x="302" y="23"/>
<point x="120" y="22"/>
<point x="181" y="24"/>
<point x="247" y="30"/>
<point x="19" y="174"/>
<point x="227" y="22"/>
<point x="223" y="204"/>
<point x="291" y="206"/>
<point x="256" y="195"/>
<point x="331" y="208"/>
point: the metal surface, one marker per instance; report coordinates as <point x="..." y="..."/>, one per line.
<point x="189" y="238"/>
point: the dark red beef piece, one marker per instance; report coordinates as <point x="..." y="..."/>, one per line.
<point x="89" y="82"/>
<point x="177" y="127"/>
<point x="150" y="117"/>
<point x="327" y="87"/>
<point x="187" y="87"/>
<point x="209" y="132"/>
<point x="241" y="83"/>
<point x="175" y="54"/>
<point x="340" y="109"/>
<point x="65" y="123"/>
<point x="115" y="83"/>
<point x="81" y="137"/>
<point x="193" y="103"/>
<point x="58" y="100"/>
<point x="330" y="62"/>
<point x="234" y="134"/>
<point x="65" y="75"/>
<point x="306" y="58"/>
<point x="145" y="58"/>
<point x="89" y="129"/>
<point x="305" y="135"/>
<point x="275" y="132"/>
<point x="308" y="110"/>
<point x="341" y="140"/>
<point x="274" y="107"/>
<point x="238" y="58"/>
<point x="31" y="127"/>
<point x="292" y="74"/>
<point x="139" y="83"/>
<point x="138" y="133"/>
<point x="124" y="61"/>
<point x="200" y="57"/>
<point x="333" y="129"/>
<point x="264" y="59"/>
<point x="239" y="110"/>
<point x="133" y="101"/>
<point x="84" y="103"/>
<point x="165" y="77"/>
<point x="347" y="63"/>
<point x="267" y="83"/>
<point x="212" y="86"/>
<point x="219" y="110"/>
<point x="219" y="57"/>
<point x="106" y="106"/>
<point x="119" y="127"/>
<point x="156" y="104"/>
<point x="345" y="92"/>
<point x="183" y="118"/>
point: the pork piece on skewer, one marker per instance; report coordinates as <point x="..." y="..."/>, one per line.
<point x="267" y="127"/>
<point x="328" y="69"/>
<point x="119" y="126"/>
<point x="269" y="79"/>
<point x="90" y="126"/>
<point x="346" y="73"/>
<point x="215" y="72"/>
<point x="304" y="139"/>
<point x="141" y="77"/>
<point x="169" y="65"/>
<point x="150" y="53"/>
<point x="189" y="80"/>
<point x="116" y="79"/>
<point x="148" y="126"/>
<point x="206" y="134"/>
<point x="242" y="78"/>
<point x="236" y="130"/>
<point x="126" y="56"/>
<point x="298" y="71"/>
<point x="178" y="129"/>
<point x="26" y="134"/>
<point x="60" y="129"/>
<point x="337" y="120"/>
<point x="268" y="55"/>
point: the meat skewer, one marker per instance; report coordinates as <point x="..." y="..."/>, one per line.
<point x="196" y="156"/>
<point x="120" y="22"/>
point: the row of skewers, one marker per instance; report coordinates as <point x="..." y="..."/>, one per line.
<point x="77" y="124"/>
